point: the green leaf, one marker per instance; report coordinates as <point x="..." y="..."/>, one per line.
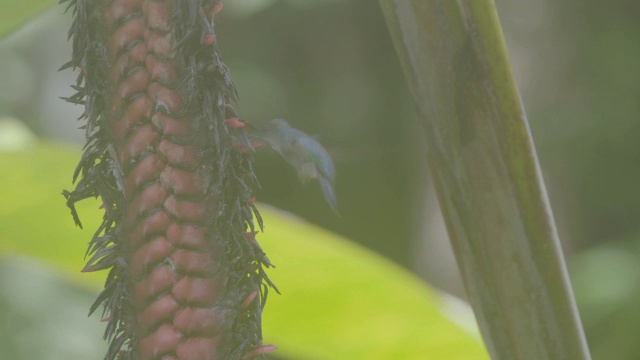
<point x="339" y="301"/>
<point x="34" y="219"/>
<point x="16" y="12"/>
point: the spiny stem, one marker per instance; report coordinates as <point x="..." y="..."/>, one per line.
<point x="182" y="274"/>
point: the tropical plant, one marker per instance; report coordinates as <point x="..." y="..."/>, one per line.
<point x="161" y="156"/>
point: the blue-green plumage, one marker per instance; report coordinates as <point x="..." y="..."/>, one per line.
<point x="305" y="154"/>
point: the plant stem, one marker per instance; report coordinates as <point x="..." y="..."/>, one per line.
<point x="186" y="274"/>
<point x="489" y="185"/>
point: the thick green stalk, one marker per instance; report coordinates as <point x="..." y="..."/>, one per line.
<point x="487" y="177"/>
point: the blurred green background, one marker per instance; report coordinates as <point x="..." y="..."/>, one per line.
<point x="329" y="67"/>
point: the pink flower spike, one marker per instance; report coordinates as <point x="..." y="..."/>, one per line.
<point x="244" y="148"/>
<point x="209" y="39"/>
<point x="251" y="237"/>
<point x="256" y="143"/>
<point x="240" y="147"/>
<point x="261" y="350"/>
<point x="217" y="7"/>
<point x="235" y="123"/>
<point x="247" y="302"/>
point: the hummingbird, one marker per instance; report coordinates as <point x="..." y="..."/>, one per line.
<point x="305" y="154"/>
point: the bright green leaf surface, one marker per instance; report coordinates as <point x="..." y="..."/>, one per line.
<point x="14" y="13"/>
<point x="34" y="219"/>
<point x="338" y="300"/>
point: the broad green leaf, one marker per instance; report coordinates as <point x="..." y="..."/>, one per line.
<point x="34" y="219"/>
<point x="339" y="301"/>
<point x="14" y="13"/>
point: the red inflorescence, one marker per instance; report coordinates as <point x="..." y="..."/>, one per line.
<point x="235" y="123"/>
<point x="214" y="9"/>
<point x="208" y="39"/>
<point x="175" y="284"/>
<point x="244" y="148"/>
<point x="258" y="351"/>
<point x="247" y="302"/>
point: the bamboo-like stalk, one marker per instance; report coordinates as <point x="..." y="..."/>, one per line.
<point x="487" y="177"/>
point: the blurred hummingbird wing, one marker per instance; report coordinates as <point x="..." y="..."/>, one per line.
<point x="320" y="162"/>
<point x="319" y="157"/>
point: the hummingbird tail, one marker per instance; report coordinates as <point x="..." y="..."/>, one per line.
<point x="329" y="193"/>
